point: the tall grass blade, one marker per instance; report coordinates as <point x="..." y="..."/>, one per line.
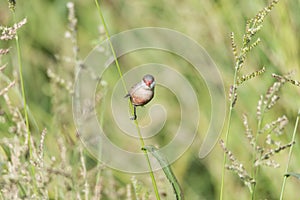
<point x="167" y="170"/>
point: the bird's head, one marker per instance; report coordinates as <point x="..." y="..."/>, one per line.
<point x="149" y="81"/>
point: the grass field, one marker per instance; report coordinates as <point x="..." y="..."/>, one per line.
<point x="41" y="154"/>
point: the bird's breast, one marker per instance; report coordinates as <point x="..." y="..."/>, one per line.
<point x="141" y="96"/>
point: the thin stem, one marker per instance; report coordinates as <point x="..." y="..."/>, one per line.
<point x="131" y="106"/>
<point x="97" y="191"/>
<point x="255" y="169"/>
<point x="31" y="167"/>
<point x="23" y="90"/>
<point x="110" y="44"/>
<point x="227" y="132"/>
<point x="290" y="155"/>
<point x="148" y="161"/>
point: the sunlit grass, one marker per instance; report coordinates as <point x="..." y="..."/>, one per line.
<point x="48" y="59"/>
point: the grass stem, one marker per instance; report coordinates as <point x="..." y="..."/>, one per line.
<point x="31" y="167"/>
<point x="131" y="106"/>
<point x="255" y="169"/>
<point x="23" y="89"/>
<point x="232" y="100"/>
<point x="290" y="155"/>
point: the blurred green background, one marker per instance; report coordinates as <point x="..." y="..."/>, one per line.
<point x="44" y="46"/>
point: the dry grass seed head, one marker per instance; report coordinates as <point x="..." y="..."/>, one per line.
<point x="253" y="25"/>
<point x="248" y="131"/>
<point x="12" y="5"/>
<point x="234" y="47"/>
<point x="233" y="95"/>
<point x="60" y="81"/>
<point x="72" y="26"/>
<point x="271" y="97"/>
<point x="237" y="167"/>
<point x="2" y="67"/>
<point x="286" y="78"/>
<point x="259" y="108"/>
<point x="7" y="88"/>
<point x="247" y="77"/>
<point x="9" y="33"/>
<point x="98" y="188"/>
<point x="275" y="126"/>
<point x="271" y="152"/>
<point x="20" y="127"/>
<point x="39" y="161"/>
<point x="84" y="173"/>
<point x="4" y="51"/>
<point x="16" y="171"/>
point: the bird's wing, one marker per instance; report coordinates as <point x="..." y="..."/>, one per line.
<point x="134" y="89"/>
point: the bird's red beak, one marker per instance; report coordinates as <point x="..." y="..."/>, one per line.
<point x="148" y="83"/>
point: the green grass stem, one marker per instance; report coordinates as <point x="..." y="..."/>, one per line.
<point x="31" y="167"/>
<point x="23" y="89"/>
<point x="131" y="106"/>
<point x="256" y="169"/>
<point x="289" y="157"/>
<point x="231" y="104"/>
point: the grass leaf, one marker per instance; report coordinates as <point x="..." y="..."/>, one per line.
<point x="167" y="170"/>
<point x="296" y="175"/>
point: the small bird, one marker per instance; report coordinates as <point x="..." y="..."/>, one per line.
<point x="141" y="93"/>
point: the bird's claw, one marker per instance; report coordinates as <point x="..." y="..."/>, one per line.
<point x="133" y="117"/>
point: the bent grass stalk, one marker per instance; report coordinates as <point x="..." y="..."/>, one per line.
<point x="131" y="106"/>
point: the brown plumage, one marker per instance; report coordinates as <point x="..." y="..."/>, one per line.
<point x="141" y="93"/>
